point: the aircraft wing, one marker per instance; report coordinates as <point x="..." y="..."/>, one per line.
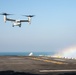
<point x="10" y="19"/>
<point x="24" y="21"/>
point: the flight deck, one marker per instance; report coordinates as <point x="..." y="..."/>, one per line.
<point x="37" y="64"/>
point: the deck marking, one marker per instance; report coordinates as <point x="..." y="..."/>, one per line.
<point x="71" y="70"/>
<point x="55" y="62"/>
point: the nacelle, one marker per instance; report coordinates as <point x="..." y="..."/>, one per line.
<point x="5" y="18"/>
<point x="29" y="20"/>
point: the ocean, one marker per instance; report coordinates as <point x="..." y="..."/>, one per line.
<point x="25" y="53"/>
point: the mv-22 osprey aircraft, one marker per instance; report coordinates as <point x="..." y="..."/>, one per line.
<point x="16" y="22"/>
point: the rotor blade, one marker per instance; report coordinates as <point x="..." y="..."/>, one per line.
<point x="29" y="15"/>
<point x="5" y="14"/>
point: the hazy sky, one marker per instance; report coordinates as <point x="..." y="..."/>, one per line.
<point x="53" y="28"/>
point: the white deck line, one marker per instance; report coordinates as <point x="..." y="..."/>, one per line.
<point x="71" y="70"/>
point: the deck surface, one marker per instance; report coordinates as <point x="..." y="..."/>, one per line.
<point x="37" y="65"/>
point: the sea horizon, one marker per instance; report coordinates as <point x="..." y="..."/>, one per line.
<point x="26" y="53"/>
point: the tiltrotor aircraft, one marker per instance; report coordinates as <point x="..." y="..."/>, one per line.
<point x="16" y="22"/>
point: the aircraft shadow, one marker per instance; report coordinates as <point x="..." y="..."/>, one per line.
<point x="14" y="73"/>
